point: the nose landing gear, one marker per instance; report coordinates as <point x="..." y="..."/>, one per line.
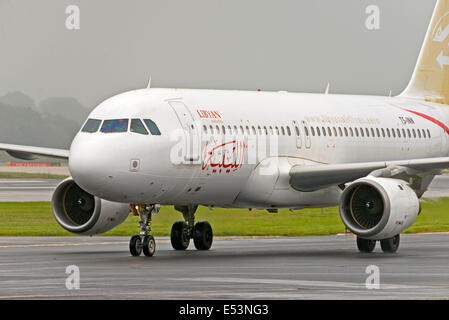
<point x="183" y="231"/>
<point x="143" y="241"/>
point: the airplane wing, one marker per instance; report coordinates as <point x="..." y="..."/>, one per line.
<point x="314" y="177"/>
<point x="29" y="152"/>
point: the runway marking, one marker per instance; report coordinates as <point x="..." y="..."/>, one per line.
<point x="300" y="283"/>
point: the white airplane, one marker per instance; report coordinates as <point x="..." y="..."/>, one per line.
<point x="373" y="156"/>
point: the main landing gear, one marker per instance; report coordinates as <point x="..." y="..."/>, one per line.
<point x="143" y="241"/>
<point x="183" y="231"/>
<point x="389" y="245"/>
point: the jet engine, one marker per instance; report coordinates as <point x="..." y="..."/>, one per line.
<point x="378" y="208"/>
<point x="82" y="213"/>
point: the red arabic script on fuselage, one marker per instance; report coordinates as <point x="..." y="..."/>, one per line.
<point x="227" y="156"/>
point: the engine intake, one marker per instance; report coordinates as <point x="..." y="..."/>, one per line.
<point x="378" y="208"/>
<point x="82" y="213"/>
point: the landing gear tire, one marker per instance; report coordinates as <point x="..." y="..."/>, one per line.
<point x="179" y="236"/>
<point x="365" y="245"/>
<point x="144" y="241"/>
<point x="148" y="246"/>
<point x="390" y="245"/>
<point x="203" y="235"/>
<point x="135" y="245"/>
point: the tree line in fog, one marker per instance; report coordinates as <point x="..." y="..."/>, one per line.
<point x="53" y="122"/>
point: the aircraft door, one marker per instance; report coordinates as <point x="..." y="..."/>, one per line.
<point x="444" y="144"/>
<point x="306" y="129"/>
<point x="298" y="134"/>
<point x="191" y="135"/>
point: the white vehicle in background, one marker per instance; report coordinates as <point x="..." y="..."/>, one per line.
<point x="372" y="156"/>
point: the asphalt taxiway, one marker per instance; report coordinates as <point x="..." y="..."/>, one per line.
<point x="235" y="268"/>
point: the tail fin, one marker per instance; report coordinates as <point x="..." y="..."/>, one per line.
<point x="430" y="80"/>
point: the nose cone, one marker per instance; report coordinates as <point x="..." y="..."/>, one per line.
<point x="87" y="163"/>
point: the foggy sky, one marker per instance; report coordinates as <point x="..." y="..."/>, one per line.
<point x="293" y="45"/>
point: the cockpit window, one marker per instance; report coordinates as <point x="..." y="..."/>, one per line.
<point x="152" y="127"/>
<point x="138" y="127"/>
<point x="117" y="125"/>
<point x="91" y="126"/>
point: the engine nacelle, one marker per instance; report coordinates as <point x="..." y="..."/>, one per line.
<point x="82" y="213"/>
<point x="378" y="208"/>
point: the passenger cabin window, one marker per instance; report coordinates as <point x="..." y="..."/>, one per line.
<point x="114" y="126"/>
<point x="152" y="127"/>
<point x="138" y="127"/>
<point x="91" y="126"/>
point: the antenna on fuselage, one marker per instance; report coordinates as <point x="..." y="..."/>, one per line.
<point x="327" y="88"/>
<point x="149" y="83"/>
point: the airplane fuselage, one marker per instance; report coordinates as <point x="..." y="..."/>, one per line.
<point x="235" y="148"/>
